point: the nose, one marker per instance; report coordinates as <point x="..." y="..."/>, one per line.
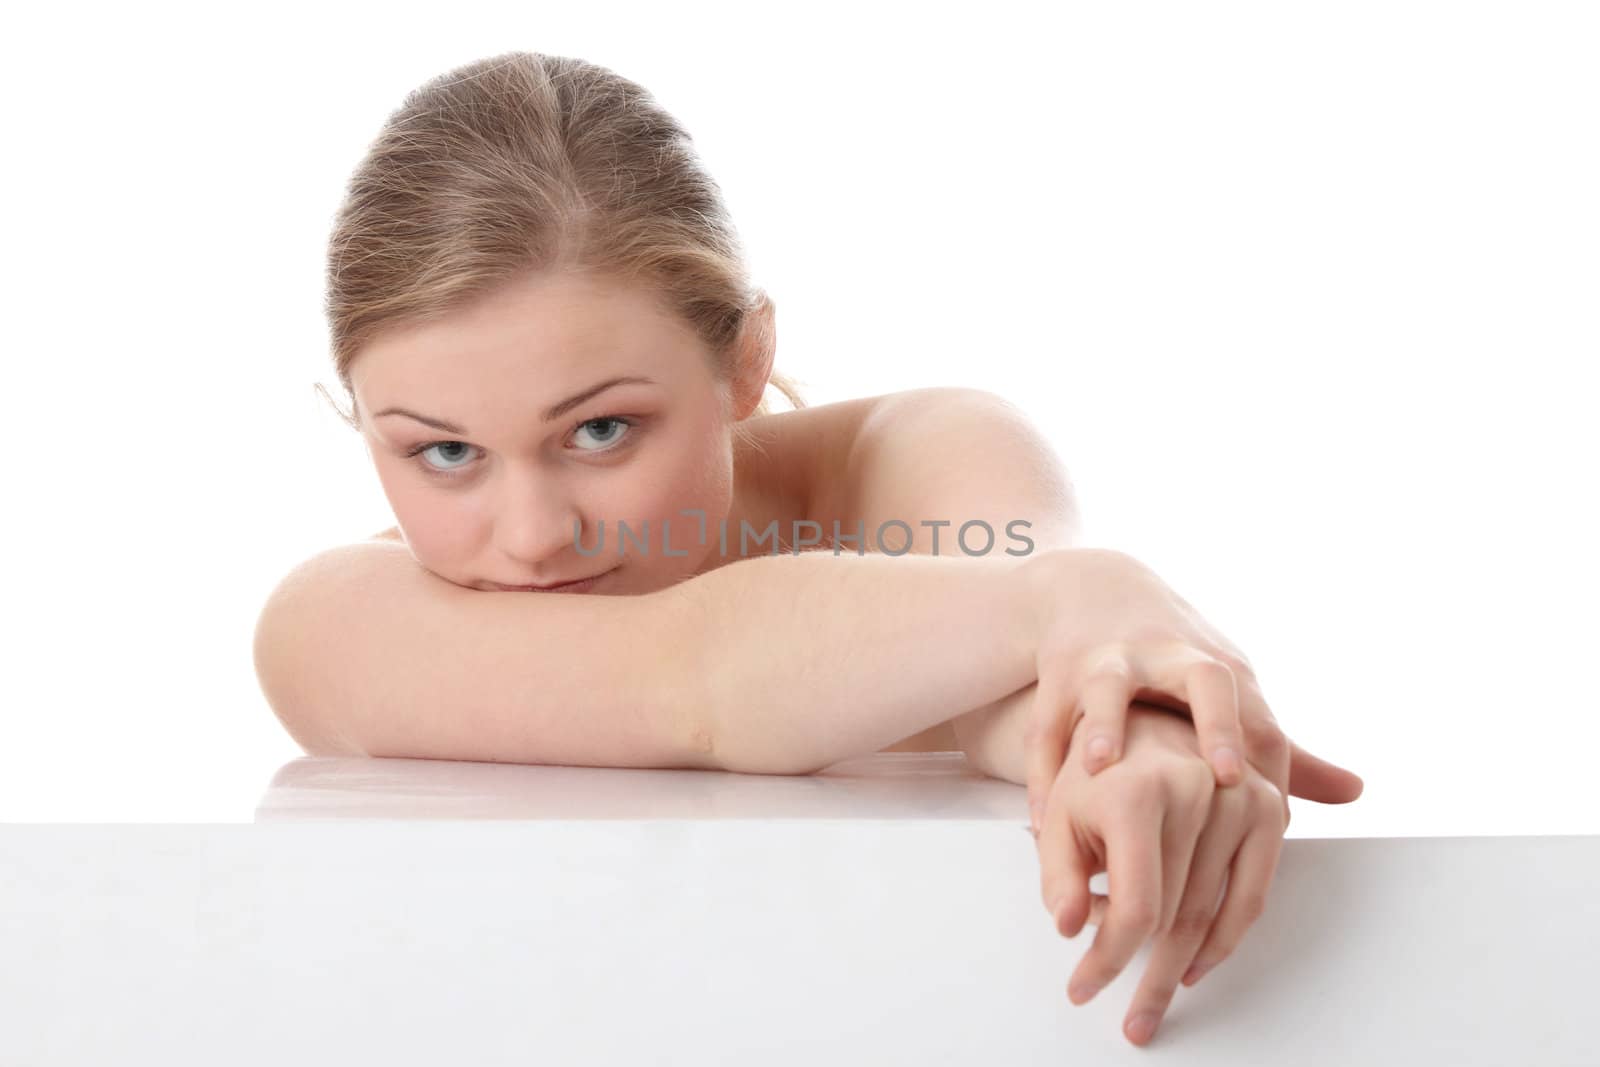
<point x="535" y="521"/>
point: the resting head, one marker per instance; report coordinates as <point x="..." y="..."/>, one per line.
<point x="524" y="230"/>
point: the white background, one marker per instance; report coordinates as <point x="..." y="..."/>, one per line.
<point x="1305" y="297"/>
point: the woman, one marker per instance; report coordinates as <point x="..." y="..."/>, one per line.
<point x="558" y="363"/>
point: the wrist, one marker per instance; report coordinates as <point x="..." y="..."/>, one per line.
<point x="992" y="736"/>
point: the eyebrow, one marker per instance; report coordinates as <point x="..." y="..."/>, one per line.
<point x="551" y="413"/>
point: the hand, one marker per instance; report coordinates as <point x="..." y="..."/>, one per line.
<point x="1167" y="836"/>
<point x="1114" y="633"/>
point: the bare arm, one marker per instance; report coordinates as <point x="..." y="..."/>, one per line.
<point x="778" y="664"/>
<point x="818" y="657"/>
<point x="361" y="651"/>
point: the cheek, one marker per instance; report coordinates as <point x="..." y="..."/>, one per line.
<point x="695" y="476"/>
<point x="436" y="525"/>
<point x="435" y="537"/>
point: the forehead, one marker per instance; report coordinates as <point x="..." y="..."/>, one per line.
<point x="536" y="334"/>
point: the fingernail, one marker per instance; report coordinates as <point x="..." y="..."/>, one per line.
<point x="1195" y="972"/>
<point x="1083" y="992"/>
<point x="1227" y="761"/>
<point x="1100" y="750"/>
<point x="1142" y="1026"/>
<point x="1033" y="816"/>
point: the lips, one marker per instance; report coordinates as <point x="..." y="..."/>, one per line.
<point x="576" y="587"/>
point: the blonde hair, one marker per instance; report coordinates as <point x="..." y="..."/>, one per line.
<point x="525" y="162"/>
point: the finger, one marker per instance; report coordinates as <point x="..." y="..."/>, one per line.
<point x="1054" y="715"/>
<point x="1186" y="818"/>
<point x="1133" y="853"/>
<point x="1207" y="692"/>
<point x="1266" y="747"/>
<point x="1105" y="696"/>
<point x="1291" y="768"/>
<point x="1214" y="704"/>
<point x="1316" y="779"/>
<point x="1251" y="876"/>
<point x="1064" y="873"/>
<point x="1176" y="948"/>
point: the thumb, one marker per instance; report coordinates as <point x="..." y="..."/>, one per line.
<point x="1316" y="779"/>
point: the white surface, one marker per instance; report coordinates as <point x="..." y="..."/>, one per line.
<point x="888" y="913"/>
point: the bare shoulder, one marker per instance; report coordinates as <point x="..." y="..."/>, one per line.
<point x="824" y="443"/>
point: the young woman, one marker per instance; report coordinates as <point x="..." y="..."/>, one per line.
<point x="609" y="552"/>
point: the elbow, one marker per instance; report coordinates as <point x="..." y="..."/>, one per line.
<point x="315" y="732"/>
<point x="283" y="684"/>
<point x="701" y="746"/>
<point x="719" y="752"/>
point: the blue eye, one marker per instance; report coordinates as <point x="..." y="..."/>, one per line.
<point x="443" y="445"/>
<point x="461" y="451"/>
<point x="612" y="421"/>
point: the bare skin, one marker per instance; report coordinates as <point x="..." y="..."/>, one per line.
<point x="797" y="469"/>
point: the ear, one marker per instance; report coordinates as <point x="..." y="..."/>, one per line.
<point x="753" y="356"/>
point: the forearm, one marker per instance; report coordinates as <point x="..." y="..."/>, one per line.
<point x="992" y="736"/>
<point x="813" y="658"/>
